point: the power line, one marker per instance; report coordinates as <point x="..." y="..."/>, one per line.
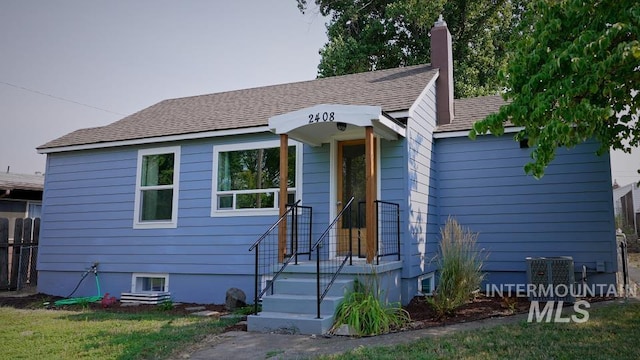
<point x="59" y="98"/>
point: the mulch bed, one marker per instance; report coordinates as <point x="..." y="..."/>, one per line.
<point x="422" y="314"/>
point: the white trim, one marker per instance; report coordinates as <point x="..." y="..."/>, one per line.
<point x="399" y="114"/>
<point x="315" y="125"/>
<point x="136" y="276"/>
<point x="266" y="144"/>
<point x="465" y="133"/>
<point x="158" y="139"/>
<point x="431" y="277"/>
<point x="173" y="223"/>
<point x="430" y="84"/>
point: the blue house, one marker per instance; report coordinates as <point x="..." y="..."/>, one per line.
<point x="350" y="175"/>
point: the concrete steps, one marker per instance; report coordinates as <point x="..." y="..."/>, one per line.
<point x="292" y="307"/>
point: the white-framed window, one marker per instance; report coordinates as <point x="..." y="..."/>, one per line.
<point x="149" y="283"/>
<point x="246" y="178"/>
<point x="34" y="209"/>
<point x="426" y="284"/>
<point x="157" y="179"/>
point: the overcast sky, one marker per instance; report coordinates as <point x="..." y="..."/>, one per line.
<point x="71" y="64"/>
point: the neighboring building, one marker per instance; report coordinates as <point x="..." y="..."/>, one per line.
<point x="170" y="199"/>
<point x="627" y="206"/>
<point x="20" y="196"/>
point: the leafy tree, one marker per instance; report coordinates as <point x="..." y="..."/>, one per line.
<point x="369" y="35"/>
<point x="573" y="75"/>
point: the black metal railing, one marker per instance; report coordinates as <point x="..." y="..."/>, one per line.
<point x="328" y="267"/>
<point x="387" y="229"/>
<point x="299" y="231"/>
<point x="388" y="232"/>
<point x="293" y="227"/>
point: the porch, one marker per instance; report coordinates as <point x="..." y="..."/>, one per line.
<point x="299" y="279"/>
<point x="301" y="289"/>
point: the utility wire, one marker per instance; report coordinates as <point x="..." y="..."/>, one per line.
<point x="59" y="98"/>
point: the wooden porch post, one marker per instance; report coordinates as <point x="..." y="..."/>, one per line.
<point x="370" y="168"/>
<point x="282" y="200"/>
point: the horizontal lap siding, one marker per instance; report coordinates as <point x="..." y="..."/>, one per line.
<point x="315" y="188"/>
<point x="88" y="217"/>
<point x="421" y="229"/>
<point x="569" y="212"/>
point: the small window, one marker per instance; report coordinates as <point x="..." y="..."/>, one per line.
<point x="34" y="210"/>
<point x="156" y="203"/>
<point x="150" y="283"/>
<point x="247" y="178"/>
<point x="426" y="284"/>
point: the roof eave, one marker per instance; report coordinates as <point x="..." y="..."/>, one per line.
<point x="153" y="140"/>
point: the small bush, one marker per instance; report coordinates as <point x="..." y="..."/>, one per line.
<point x="363" y="311"/>
<point x="247" y="310"/>
<point x="166" y="305"/>
<point x="460" y="266"/>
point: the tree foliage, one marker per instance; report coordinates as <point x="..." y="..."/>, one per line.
<point x="573" y="75"/>
<point x="369" y="35"/>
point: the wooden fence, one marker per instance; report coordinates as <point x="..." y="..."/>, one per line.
<point x="18" y="256"/>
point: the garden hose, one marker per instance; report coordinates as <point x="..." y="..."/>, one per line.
<point x="87" y="299"/>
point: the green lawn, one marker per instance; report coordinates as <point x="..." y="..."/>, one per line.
<point x="57" y="334"/>
<point x="612" y="332"/>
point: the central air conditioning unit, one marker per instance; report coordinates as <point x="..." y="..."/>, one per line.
<point x="552" y="279"/>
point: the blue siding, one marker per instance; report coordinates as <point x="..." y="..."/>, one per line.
<point x="569" y="212"/>
<point x="88" y="217"/>
<point x="421" y="186"/>
<point x="316" y="183"/>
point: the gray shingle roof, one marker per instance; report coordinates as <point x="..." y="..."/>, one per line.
<point x="392" y="89"/>
<point x="11" y="181"/>
<point x="469" y="110"/>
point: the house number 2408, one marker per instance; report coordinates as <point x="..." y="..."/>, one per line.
<point x="324" y="116"/>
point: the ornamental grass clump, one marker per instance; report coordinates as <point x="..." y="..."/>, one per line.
<point x="364" y="312"/>
<point x="460" y="264"/>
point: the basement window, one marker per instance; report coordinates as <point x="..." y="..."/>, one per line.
<point x="149" y="283"/>
<point x="426" y="284"/>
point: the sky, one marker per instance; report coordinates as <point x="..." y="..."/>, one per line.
<point x="72" y="64"/>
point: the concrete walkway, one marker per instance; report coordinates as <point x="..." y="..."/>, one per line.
<point x="249" y="345"/>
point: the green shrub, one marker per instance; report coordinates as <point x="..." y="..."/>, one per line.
<point x="166" y="305"/>
<point x="363" y="311"/>
<point x="460" y="266"/>
<point x="247" y="310"/>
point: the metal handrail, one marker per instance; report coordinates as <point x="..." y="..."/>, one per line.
<point x="391" y="217"/>
<point x="256" y="246"/>
<point x="332" y="273"/>
<point x="266" y="233"/>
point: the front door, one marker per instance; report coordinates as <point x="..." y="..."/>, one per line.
<point x="352" y="182"/>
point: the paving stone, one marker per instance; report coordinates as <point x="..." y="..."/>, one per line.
<point x="207" y="313"/>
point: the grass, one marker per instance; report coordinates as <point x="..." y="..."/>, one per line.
<point x="610" y="333"/>
<point x="58" y="334"/>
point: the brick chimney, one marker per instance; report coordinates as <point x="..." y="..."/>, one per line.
<point x="442" y="58"/>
